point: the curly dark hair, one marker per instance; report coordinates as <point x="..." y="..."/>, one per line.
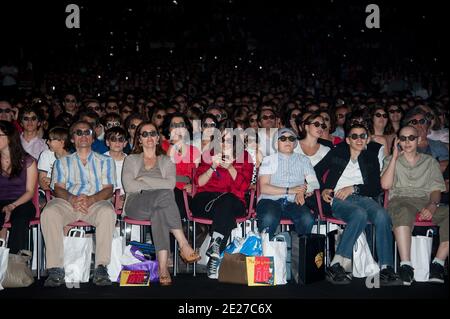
<point x="16" y="151"/>
<point x="168" y="119"/>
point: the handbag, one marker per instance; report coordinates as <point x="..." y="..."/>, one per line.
<point x="233" y="269"/>
<point x="308" y="253"/>
<point x="77" y="256"/>
<point x="363" y="263"/>
<point x="4" y="253"/>
<point x="278" y="250"/>
<point x="421" y="255"/>
<point x="260" y="271"/>
<point x="117" y="248"/>
<point x="18" y="273"/>
<point x="142" y="264"/>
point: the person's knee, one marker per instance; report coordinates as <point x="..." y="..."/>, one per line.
<point x="359" y="216"/>
<point x="382" y="217"/>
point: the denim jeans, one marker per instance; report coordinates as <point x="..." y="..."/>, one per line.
<point x="269" y="212"/>
<point x="356" y="211"/>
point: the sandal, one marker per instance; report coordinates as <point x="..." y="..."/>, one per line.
<point x="165" y="280"/>
<point x="189" y="258"/>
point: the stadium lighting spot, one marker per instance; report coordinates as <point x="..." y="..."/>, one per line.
<point x="111" y="33"/>
<point x="435" y="59"/>
<point x="126" y="78"/>
<point x="215" y="57"/>
<point x="99" y="76"/>
<point x="260" y="67"/>
<point x="362" y="30"/>
<point x="175" y="2"/>
<point x="339" y="26"/>
<point x="53" y="88"/>
<point x="235" y="67"/>
<point x="170" y="51"/>
<point x="130" y="10"/>
<point x="344" y="55"/>
<point x="250" y="61"/>
<point x="98" y="94"/>
<point x="201" y="58"/>
<point x="111" y="54"/>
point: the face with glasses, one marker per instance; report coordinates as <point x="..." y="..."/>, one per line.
<point x="112" y="107"/>
<point x="82" y="136"/>
<point x="6" y="112"/>
<point x="326" y="120"/>
<point x="286" y="143"/>
<point x="148" y="136"/>
<point x="30" y="122"/>
<point x="253" y="121"/>
<point x="95" y="107"/>
<point x="158" y="118"/>
<point x="70" y="103"/>
<point x="340" y="116"/>
<point x="268" y="119"/>
<point x="395" y="114"/>
<point x="111" y="124"/>
<point x="125" y="112"/>
<point x="177" y="129"/>
<point x="419" y="122"/>
<point x="132" y="127"/>
<point x="357" y="139"/>
<point x="315" y="127"/>
<point x="408" y="139"/>
<point x="116" y="143"/>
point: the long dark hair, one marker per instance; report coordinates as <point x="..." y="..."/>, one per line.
<point x="16" y="152"/>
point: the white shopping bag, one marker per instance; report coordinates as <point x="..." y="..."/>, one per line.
<point x="117" y="249"/>
<point x="277" y="250"/>
<point x="203" y="249"/>
<point x="77" y="256"/>
<point x="4" y="254"/>
<point x="421" y="255"/>
<point x="363" y="263"/>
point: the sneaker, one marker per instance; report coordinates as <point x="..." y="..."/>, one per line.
<point x="406" y="274"/>
<point x="212" y="268"/>
<point x="436" y="273"/>
<point x="214" y="248"/>
<point x="55" y="277"/>
<point x="101" y="277"/>
<point x="337" y="276"/>
<point x="388" y="277"/>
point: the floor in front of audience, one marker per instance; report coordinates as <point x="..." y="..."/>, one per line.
<point x="186" y="286"/>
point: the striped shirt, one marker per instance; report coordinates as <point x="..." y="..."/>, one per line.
<point x="288" y="171"/>
<point x="84" y="179"/>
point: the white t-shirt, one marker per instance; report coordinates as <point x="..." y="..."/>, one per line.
<point x="46" y="161"/>
<point x="316" y="158"/>
<point x="350" y="176"/>
<point x="119" y="165"/>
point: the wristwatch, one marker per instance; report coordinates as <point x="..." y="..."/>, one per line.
<point x="355" y="190"/>
<point x="437" y="204"/>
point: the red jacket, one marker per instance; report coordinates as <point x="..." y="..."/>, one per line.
<point x="221" y="180"/>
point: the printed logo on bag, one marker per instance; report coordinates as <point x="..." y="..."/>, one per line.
<point x="319" y="260"/>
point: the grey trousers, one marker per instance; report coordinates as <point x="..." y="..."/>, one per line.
<point x="158" y="206"/>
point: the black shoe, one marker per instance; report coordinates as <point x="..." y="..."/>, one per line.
<point x="436" y="273"/>
<point x="55" y="277"/>
<point x="406" y="274"/>
<point x="101" y="277"/>
<point x="337" y="276"/>
<point x="388" y="277"/>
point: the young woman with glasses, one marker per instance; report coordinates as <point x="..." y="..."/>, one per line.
<point x="313" y="128"/>
<point x="380" y="128"/>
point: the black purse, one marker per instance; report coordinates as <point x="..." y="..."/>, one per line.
<point x="308" y="258"/>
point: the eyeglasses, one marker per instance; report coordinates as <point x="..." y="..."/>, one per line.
<point x="146" y="134"/>
<point x="356" y="122"/>
<point x="253" y="120"/>
<point x="69" y="101"/>
<point x="95" y="108"/>
<point x="54" y="139"/>
<point x="404" y="138"/>
<point x="83" y="132"/>
<point x="115" y="107"/>
<point x="5" y="111"/>
<point x="268" y="117"/>
<point x="284" y="138"/>
<point x="317" y="124"/>
<point x="208" y="125"/>
<point x="126" y="111"/>
<point x="120" y="139"/>
<point x="326" y="119"/>
<point x="384" y="115"/>
<point x="294" y="116"/>
<point x="415" y="122"/>
<point x="29" y="118"/>
<point x="395" y="111"/>
<point x="362" y="136"/>
<point x="112" y="124"/>
<point x="340" y="116"/>
<point x="159" y="116"/>
<point x="178" y="125"/>
<point x="133" y="126"/>
<point x="429" y="116"/>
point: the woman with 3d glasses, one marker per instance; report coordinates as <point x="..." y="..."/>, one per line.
<point x="380" y="128"/>
<point x="313" y="128"/>
<point x="349" y="190"/>
<point x="148" y="179"/>
<point x="286" y="180"/>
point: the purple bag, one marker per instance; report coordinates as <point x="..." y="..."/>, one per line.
<point x="146" y="265"/>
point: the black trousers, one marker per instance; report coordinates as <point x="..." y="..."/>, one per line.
<point x="180" y="202"/>
<point x="20" y="220"/>
<point x="223" y="212"/>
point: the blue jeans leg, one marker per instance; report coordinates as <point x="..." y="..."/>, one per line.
<point x="301" y="216"/>
<point x="355" y="216"/>
<point x="378" y="216"/>
<point x="268" y="214"/>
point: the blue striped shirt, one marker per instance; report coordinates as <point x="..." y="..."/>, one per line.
<point x="288" y="171"/>
<point x="84" y="179"/>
